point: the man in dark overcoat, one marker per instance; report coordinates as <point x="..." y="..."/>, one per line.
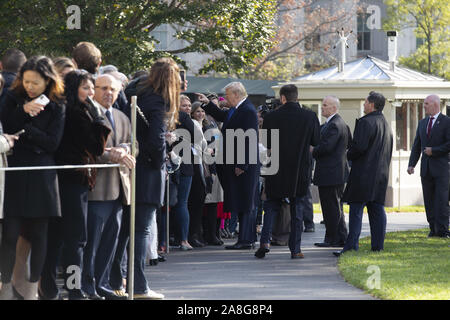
<point x="298" y="129"/>
<point x="432" y="142"/>
<point x="370" y="153"/>
<point x="240" y="170"/>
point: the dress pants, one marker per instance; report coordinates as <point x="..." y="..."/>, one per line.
<point x="247" y="227"/>
<point x="118" y="267"/>
<point x="435" y="196"/>
<point x="377" y="221"/>
<point x="104" y="218"/>
<point x="308" y="212"/>
<point x="297" y="207"/>
<point x="69" y="234"/>
<point x="333" y="213"/>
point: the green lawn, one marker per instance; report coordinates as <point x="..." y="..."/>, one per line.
<point x="318" y="209"/>
<point x="412" y="266"/>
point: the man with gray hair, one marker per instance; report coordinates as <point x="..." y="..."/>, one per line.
<point x="432" y="142"/>
<point x="238" y="178"/>
<point x="332" y="171"/>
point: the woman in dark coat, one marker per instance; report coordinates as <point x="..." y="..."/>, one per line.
<point x="159" y="100"/>
<point x="84" y="139"/>
<point x="31" y="197"/>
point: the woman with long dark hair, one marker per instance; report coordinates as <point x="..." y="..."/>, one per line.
<point x="84" y="139"/>
<point x="159" y="99"/>
<point x="31" y="197"/>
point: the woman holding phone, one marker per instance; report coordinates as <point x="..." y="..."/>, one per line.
<point x="84" y="139"/>
<point x="31" y="197"/>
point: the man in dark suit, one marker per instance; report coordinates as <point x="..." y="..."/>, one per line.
<point x="370" y="152"/>
<point x="298" y="129"/>
<point x="432" y="141"/>
<point x="332" y="171"/>
<point x="238" y="176"/>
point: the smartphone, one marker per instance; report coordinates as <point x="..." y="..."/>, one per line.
<point x="18" y="133"/>
<point x="42" y="99"/>
<point x="183" y="79"/>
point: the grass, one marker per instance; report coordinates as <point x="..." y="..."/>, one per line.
<point x="411" y="267"/>
<point x="318" y="209"/>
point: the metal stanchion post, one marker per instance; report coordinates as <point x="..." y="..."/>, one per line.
<point x="133" y="203"/>
<point x="167" y="214"/>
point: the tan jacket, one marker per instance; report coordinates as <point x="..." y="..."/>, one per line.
<point x="4" y="147"/>
<point x="110" y="181"/>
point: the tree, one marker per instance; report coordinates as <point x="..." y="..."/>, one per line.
<point x="304" y="39"/>
<point x="431" y="20"/>
<point x="239" y="30"/>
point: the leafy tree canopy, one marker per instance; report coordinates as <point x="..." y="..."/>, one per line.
<point x="238" y="31"/>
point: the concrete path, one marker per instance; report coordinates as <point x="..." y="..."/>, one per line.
<point x="213" y="273"/>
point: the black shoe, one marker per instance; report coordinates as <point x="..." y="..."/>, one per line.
<point x="322" y="244"/>
<point x="110" y="295"/>
<point x="240" y="246"/>
<point x="196" y="243"/>
<point x="444" y="235"/>
<point x="328" y="245"/>
<point x="153" y="262"/>
<point x="322" y="222"/>
<point x="261" y="252"/>
<point x="431" y="234"/>
<point x="338" y="253"/>
<point x="309" y="230"/>
<point x="95" y="296"/>
<point x="42" y="296"/>
<point x="161" y="258"/>
<point x="77" y="294"/>
<point x="214" y="242"/>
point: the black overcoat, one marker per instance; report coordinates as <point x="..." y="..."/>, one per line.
<point x="150" y="163"/>
<point x="370" y="153"/>
<point x="239" y="191"/>
<point x="298" y="130"/>
<point x="32" y="194"/>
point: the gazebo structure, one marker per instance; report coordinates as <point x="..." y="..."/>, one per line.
<point x="405" y="91"/>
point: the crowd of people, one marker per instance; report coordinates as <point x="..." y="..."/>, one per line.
<point x="72" y="111"/>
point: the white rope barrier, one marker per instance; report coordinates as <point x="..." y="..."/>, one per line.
<point x="64" y="167"/>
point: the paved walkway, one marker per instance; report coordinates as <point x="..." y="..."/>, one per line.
<point x="219" y="274"/>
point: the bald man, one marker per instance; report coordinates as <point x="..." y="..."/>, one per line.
<point x="332" y="171"/>
<point x="111" y="192"/>
<point x="432" y="142"/>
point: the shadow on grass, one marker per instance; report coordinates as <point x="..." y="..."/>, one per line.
<point x="412" y="266"/>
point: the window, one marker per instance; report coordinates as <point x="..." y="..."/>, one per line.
<point x="312" y="106"/>
<point x="401" y="126"/>
<point x="312" y="43"/>
<point x="363" y="32"/>
<point x="406" y="120"/>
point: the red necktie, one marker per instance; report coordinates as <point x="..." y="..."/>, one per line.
<point x="430" y="124"/>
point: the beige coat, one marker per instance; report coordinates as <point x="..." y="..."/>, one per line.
<point x="110" y="181"/>
<point x="4" y="147"/>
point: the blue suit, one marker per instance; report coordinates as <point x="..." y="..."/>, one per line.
<point x="239" y="191"/>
